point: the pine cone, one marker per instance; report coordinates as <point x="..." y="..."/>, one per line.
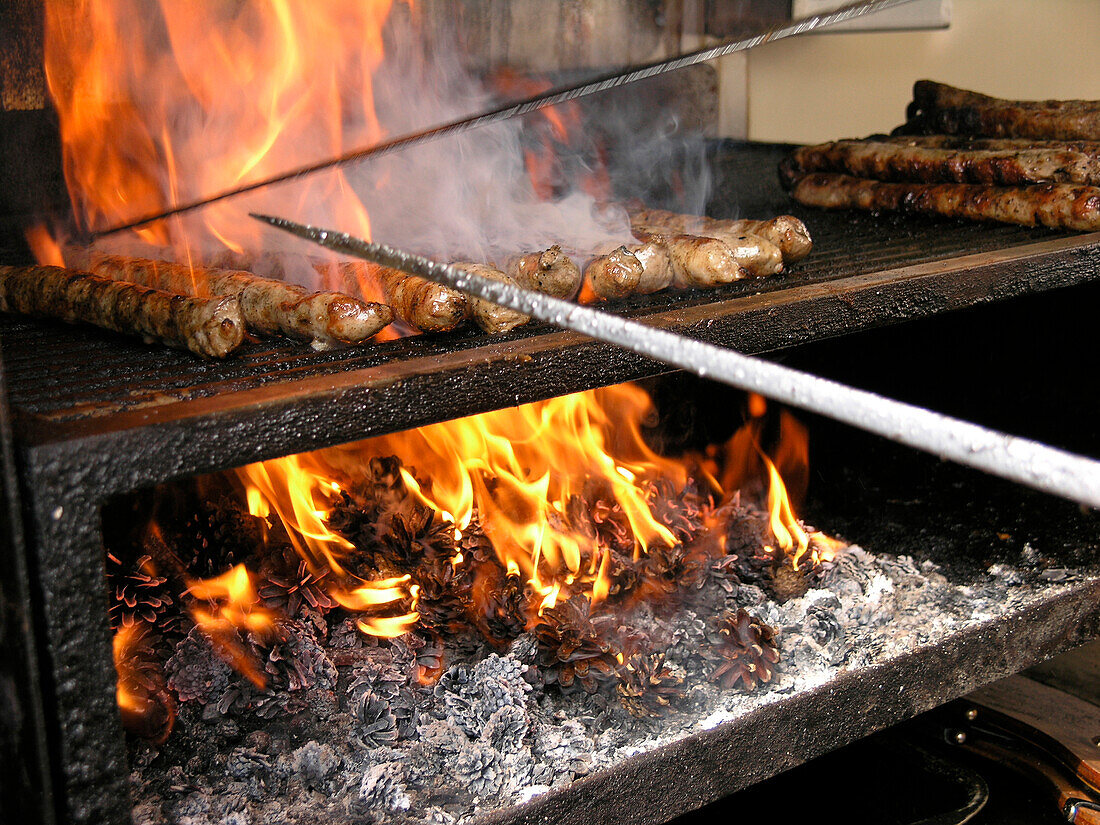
<point x="383" y="788"/>
<point x="221" y="534"/>
<point x="646" y="685"/>
<point x="195" y="671"/>
<point x="575" y="648"/>
<point x="479" y="769"/>
<point x="287" y="591"/>
<point x="140" y="595"/>
<point x="683" y="512"/>
<point x="746" y="651"/>
<point x="669" y="570"/>
<point x="374" y="724"/>
<point x="294" y="660"/>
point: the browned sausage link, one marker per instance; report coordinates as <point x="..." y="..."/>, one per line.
<point x="656" y="264"/>
<point x="550" y="271"/>
<point x="325" y="319"/>
<point x="428" y="306"/>
<point x="213" y="328"/>
<point x="1057" y="205"/>
<point x="491" y="317"/>
<point x="614" y="275"/>
<point x="786" y="232"/>
<point x="899" y="162"/>
<point x="701" y="262"/>
<point x="757" y="256"/>
<point x="1088" y="147"/>
<point x="939" y="108"/>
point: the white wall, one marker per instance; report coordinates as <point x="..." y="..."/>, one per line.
<point x="828" y="86"/>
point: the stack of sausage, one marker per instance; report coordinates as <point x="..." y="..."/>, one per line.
<point x="156" y="300"/>
<point x="668" y="250"/>
<point x="209" y="309"/>
<point x="965" y="155"/>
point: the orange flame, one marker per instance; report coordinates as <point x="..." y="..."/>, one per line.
<point x="300" y="491"/>
<point x="232" y="607"/>
<point x="146" y="706"/>
<point x="161" y="102"/>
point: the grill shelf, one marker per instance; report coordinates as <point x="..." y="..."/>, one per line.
<point x="67" y="383"/>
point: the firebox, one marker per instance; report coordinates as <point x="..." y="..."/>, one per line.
<point x="83" y="435"/>
<point x="926" y="581"/>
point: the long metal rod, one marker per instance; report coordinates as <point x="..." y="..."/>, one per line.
<point x="1036" y="465"/>
<point x="561" y="94"/>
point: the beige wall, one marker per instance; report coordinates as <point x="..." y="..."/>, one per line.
<point x="829" y="86"/>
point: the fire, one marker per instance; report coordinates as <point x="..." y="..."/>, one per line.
<point x="162" y="102"/>
<point x="300" y="491"/>
<point x="146" y="706"/>
<point x="232" y="605"/>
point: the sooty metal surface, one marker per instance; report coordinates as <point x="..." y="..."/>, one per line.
<point x="71" y="384"/>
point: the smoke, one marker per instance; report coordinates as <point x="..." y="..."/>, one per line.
<point x="220" y="94"/>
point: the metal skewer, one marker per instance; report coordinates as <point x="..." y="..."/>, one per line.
<point x="1028" y="462"/>
<point x="561" y="94"/>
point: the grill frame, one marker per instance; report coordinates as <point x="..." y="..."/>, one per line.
<point x="151" y="421"/>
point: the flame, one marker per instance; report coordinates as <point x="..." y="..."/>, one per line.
<point x="44" y="247"/>
<point x="518" y="469"/>
<point x="792" y="539"/>
<point x="161" y="102"/>
<point x="232" y="606"/>
<point x="299" y="489"/>
<point x="145" y="704"/>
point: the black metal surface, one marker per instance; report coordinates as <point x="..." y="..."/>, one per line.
<point x="26" y="790"/>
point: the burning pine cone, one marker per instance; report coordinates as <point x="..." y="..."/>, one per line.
<point x="289" y="590"/>
<point x="746" y="650"/>
<point x="140" y="595"/>
<point x="575" y="648"/>
<point x="646" y="685"/>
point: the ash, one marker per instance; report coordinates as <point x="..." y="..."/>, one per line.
<point x="346" y="731"/>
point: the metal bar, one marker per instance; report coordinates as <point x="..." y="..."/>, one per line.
<point x="561" y="94"/>
<point x="1028" y="462"/>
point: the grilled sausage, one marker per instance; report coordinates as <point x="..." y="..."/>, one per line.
<point x="325" y="319"/>
<point x="550" y="271"/>
<point x="212" y="328"/>
<point x="491" y="317"/>
<point x="615" y="274"/>
<point x="786" y="232"/>
<point x="1056" y="205"/>
<point x="757" y="256"/>
<point x="1089" y="147"/>
<point x="938" y="108"/>
<point x="428" y="306"/>
<point x="892" y="161"/>
<point x="701" y="262"/>
<point x="657" y="273"/>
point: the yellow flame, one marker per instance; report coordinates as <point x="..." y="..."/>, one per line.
<point x="793" y="540"/>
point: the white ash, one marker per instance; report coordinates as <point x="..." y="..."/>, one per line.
<point x="486" y="736"/>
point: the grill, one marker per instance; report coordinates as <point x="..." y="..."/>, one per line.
<point x="92" y="415"/>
